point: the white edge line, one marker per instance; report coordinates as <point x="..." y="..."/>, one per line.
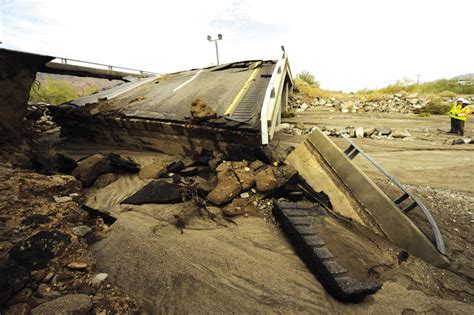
<point x="194" y="77"/>
<point x="131" y="87"/>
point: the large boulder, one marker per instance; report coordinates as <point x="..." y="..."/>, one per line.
<point x="265" y="180"/>
<point x="244" y="175"/>
<point x="228" y="187"/>
<point x="201" y="111"/>
<point x="274" y="177"/>
<point x="90" y="168"/>
<point x="400" y="133"/>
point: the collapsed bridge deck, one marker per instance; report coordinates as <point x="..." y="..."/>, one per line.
<point x="154" y="111"/>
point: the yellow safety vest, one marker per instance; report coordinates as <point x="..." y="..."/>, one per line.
<point x="466" y="111"/>
<point x="455" y="110"/>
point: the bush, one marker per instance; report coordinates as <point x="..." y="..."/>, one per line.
<point x="446" y="93"/>
<point x="436" y="107"/>
<point x="311" y="91"/>
<point x="307" y="77"/>
<point x="56" y="91"/>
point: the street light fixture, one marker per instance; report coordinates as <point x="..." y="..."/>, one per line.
<point x="219" y="37"/>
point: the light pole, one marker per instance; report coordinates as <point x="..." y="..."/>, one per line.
<point x="219" y="37"/>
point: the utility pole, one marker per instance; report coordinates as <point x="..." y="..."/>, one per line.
<point x="219" y="37"/>
<point x="418" y="79"/>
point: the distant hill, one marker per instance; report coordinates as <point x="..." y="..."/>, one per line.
<point x="57" y="89"/>
<point x="79" y="83"/>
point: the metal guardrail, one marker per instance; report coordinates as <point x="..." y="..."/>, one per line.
<point x="67" y="61"/>
<point x="271" y="107"/>
<point x="353" y="150"/>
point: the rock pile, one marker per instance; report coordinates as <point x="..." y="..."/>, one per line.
<point x="392" y="103"/>
<point x="373" y="133"/>
<point x="351" y="131"/>
<point x="45" y="266"/>
<point x="38" y="118"/>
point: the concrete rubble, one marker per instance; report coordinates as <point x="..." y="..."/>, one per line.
<point x="390" y="103"/>
<point x="350" y="131"/>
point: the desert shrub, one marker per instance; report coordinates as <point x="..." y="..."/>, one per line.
<point x="312" y="91"/>
<point x="307" y="77"/>
<point x="446" y="93"/>
<point x="436" y="107"/>
<point x="57" y="91"/>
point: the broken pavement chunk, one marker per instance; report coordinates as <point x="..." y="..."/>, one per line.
<point x="153" y="171"/>
<point x="122" y="164"/>
<point x="90" y="168"/>
<point x="189" y="171"/>
<point x="175" y="167"/>
<point x="303" y="226"/>
<point x="201" y="111"/>
<point x="156" y="192"/>
<point x="105" y="180"/>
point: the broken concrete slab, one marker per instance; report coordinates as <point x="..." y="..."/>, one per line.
<point x="153" y="171"/>
<point x="158" y="191"/>
<point x="121" y="164"/>
<point x="303" y="225"/>
<point x="309" y="159"/>
<point x="189" y="171"/>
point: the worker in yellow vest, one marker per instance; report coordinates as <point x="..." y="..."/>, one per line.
<point x="461" y="117"/>
<point x="452" y="113"/>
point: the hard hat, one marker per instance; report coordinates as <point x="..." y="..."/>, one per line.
<point x="460" y="99"/>
<point x="464" y="101"/>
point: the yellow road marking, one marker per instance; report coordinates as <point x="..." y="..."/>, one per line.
<point x="242" y="91"/>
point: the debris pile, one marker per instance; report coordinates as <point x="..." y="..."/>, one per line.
<point x="38" y="118"/>
<point x="44" y="261"/>
<point x="392" y="103"/>
<point x="351" y="131"/>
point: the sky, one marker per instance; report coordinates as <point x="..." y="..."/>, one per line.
<point x="347" y="44"/>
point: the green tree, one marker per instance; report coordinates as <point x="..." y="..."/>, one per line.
<point x="307" y="77"/>
<point x="53" y="91"/>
